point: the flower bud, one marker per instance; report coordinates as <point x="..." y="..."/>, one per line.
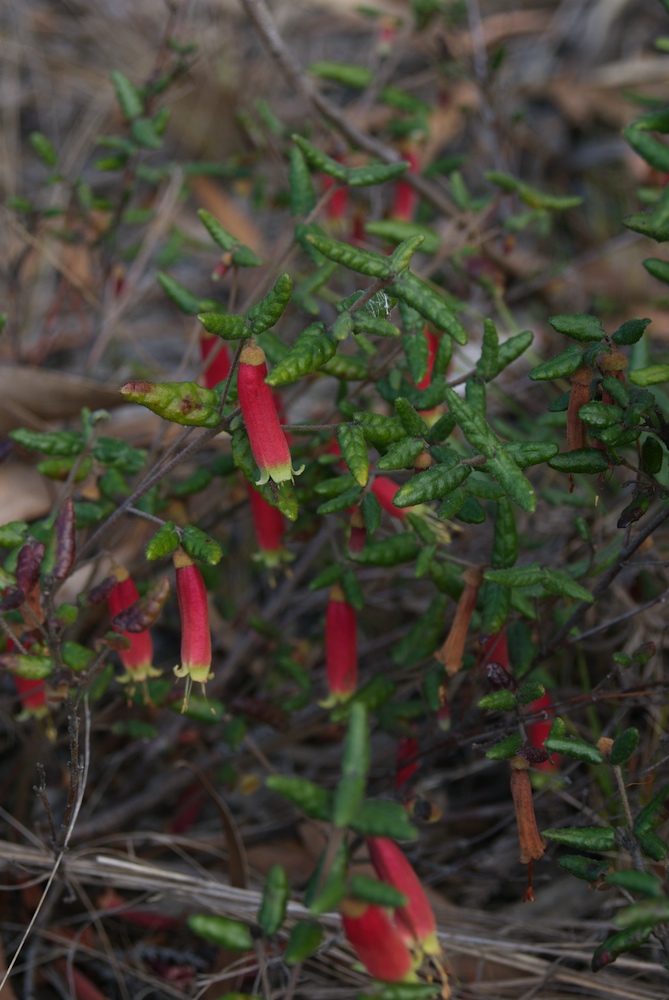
<point x="377" y="941"/>
<point x="341" y="647"/>
<point x="270" y="526"/>
<point x="137" y="658"/>
<point x="415" y="921"/>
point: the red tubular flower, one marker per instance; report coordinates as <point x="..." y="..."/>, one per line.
<point x="384" y="489"/>
<point x="358" y="536"/>
<point x="268" y="440"/>
<point x="341" y="647"/>
<point x="406" y="761"/>
<point x="377" y="942"/>
<point x="137" y="658"/>
<point x="406" y="197"/>
<point x="537" y="732"/>
<point x="195" y="634"/>
<point x="415" y="921"/>
<point x="270" y="526"/>
<point x="32" y="693"/>
<point x="219" y="369"/>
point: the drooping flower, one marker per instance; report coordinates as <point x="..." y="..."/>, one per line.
<point x="406" y="761"/>
<point x="532" y="844"/>
<point x="266" y="435"/>
<point x="218" y="368"/>
<point x="341" y="647"/>
<point x="452" y="652"/>
<point x="137" y="658"/>
<point x="415" y="921"/>
<point x="270" y="526"/>
<point x="32" y="693"/>
<point x="537" y="732"/>
<point x="195" y="635"/>
<point x="377" y="941"/>
<point x="405" y="197"/>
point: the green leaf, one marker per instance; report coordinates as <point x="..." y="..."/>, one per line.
<point x="640" y="882"/>
<point x="312" y="349"/>
<point x="378" y="893"/>
<point x="518" y="576"/>
<point x="581" y="460"/>
<point x="270" y="309"/>
<point x="56" y="443"/>
<point x="658" y="268"/>
<point x="432" y="484"/>
<point x="350" y="790"/>
<point x="396" y="231"/>
<point x="650" y="912"/>
<point x="532" y="691"/>
<point x="505" y="538"/>
<point x="578" y="326"/>
<point x="228" y="327"/>
<point x="200" y="545"/>
<point x="412" y="420"/>
<point x="598" y="414"/>
<point x="319" y="161"/>
<point x="508" y="475"/>
<point x="512" y="349"/>
<point x="631" y="331"/>
<point x="307" y="796"/>
<point x="305" y="938"/>
<point x="241" y="255"/>
<point x="651" y="375"/>
<point x="185" y="403"/>
<point x="127" y="95"/>
<point x="574" y="748"/>
<point x="561" y="366"/>
<point x="274" y="900"/>
<point x="558" y="582"/>
<point x="43" y="148"/>
<point x="653" y="813"/>
<point x="221" y="931"/>
<point x="12" y="534"/>
<point x="653" y="846"/>
<point x="379" y="430"/>
<point x="617" y="944"/>
<point x="487" y="366"/>
<point x="373" y="326"/>
<point x="371" y="512"/>
<point x="341" y="502"/>
<point x="164" y="542"/>
<point x="428" y="303"/>
<point x="584" y="868"/>
<point x="144" y="133"/>
<point x="401" y="455"/>
<point x="498" y="701"/>
<point x="624" y="746"/>
<point x="347" y="73"/>
<point x="302" y="194"/>
<point x="354" y="451"/>
<point x="584" y="838"/>
<point x="391" y="551"/>
<point x="382" y="818"/>
<point x="375" y="173"/>
<point x="472" y="424"/>
<point x="363" y="261"/>
<point x="182" y="298"/>
<point x="506" y="748"/>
